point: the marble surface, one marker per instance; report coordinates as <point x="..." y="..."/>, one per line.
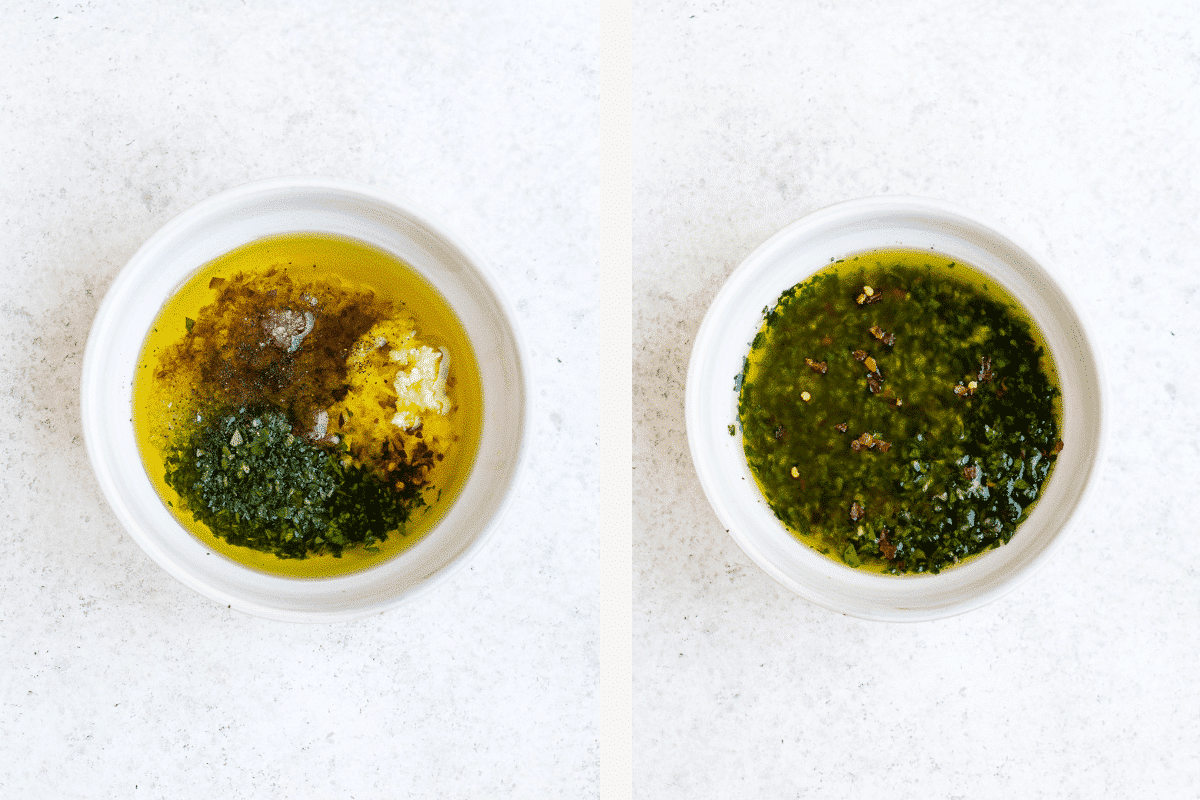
<point x="1078" y="126"/>
<point x="116" y="681"/>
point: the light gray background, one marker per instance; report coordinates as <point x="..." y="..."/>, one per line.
<point x="1078" y="126"/>
<point x="116" y="681"/>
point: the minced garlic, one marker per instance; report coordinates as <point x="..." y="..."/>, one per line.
<point x="421" y="381"/>
<point x="399" y="390"/>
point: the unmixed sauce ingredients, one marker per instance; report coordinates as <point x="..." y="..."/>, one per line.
<point x="307" y="405"/>
<point x="898" y="412"/>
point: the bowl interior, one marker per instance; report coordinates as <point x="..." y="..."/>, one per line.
<point x="724" y="340"/>
<point x="270" y="208"/>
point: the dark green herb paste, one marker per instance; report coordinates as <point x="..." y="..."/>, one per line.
<point x="898" y="412"/>
<point x="256" y="484"/>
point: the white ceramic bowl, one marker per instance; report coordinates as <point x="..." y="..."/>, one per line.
<point x="290" y="205"/>
<point x="735" y="316"/>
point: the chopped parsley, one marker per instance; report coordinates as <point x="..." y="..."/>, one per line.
<point x="256" y="484"/>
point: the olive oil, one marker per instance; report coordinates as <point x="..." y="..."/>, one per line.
<point x="170" y="391"/>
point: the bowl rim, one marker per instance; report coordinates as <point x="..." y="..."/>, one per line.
<point x="241" y="194"/>
<point x="860" y="209"/>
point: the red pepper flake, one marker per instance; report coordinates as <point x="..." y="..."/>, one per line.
<point x="868" y="440"/>
<point x="817" y="366"/>
<point x="874" y="376"/>
<point x="985" y="369"/>
<point x="879" y="333"/>
<point x="868" y="298"/>
<point x="857" y="512"/>
<point x="970" y="472"/>
<point x="886" y="547"/>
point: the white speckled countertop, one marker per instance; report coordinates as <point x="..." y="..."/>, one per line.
<point x="1078" y="126"/>
<point x="115" y="680"/>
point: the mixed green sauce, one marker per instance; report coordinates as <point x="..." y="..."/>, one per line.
<point x="898" y="412"/>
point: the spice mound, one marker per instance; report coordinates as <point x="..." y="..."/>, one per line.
<point x="307" y="415"/>
<point x="898" y="412"/>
